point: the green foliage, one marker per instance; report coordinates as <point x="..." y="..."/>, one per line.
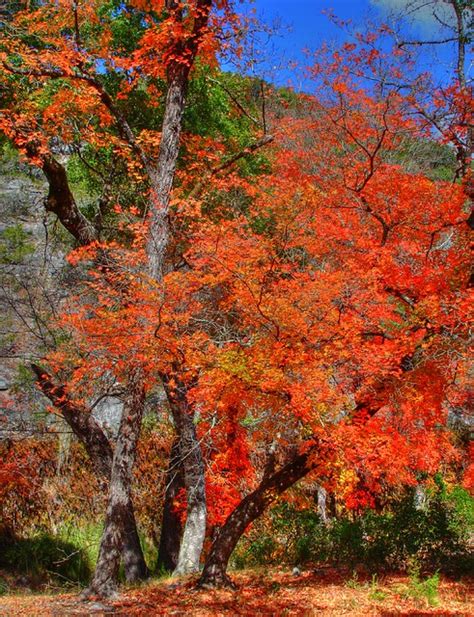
<point x="44" y="556"/>
<point x="213" y="111"/>
<point x="290" y="535"/>
<point x="4" y="588"/>
<point x="127" y="26"/>
<point x="8" y="153"/>
<point x="86" y="171"/>
<point x="208" y="112"/>
<point x="376" y="593"/>
<point x="14" y="245"/>
<point x="258" y="552"/>
<point x="420" y="588"/>
<point x="85" y="537"/>
<point x="353" y="582"/>
<point x="435" y="160"/>
<point x="24" y="381"/>
<point x="436" y="537"/>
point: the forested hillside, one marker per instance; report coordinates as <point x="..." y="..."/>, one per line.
<point x="235" y="316"/>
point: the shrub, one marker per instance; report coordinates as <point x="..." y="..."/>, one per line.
<point x="421" y="588"/>
<point x="436" y="536"/>
<point x="45" y="557"/>
<point x="15" y="245"/>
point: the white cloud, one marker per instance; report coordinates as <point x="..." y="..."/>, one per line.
<point x="426" y="14"/>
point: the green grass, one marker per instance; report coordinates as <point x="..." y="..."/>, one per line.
<point x="86" y="537"/>
<point x="43" y="558"/>
<point x="422" y="589"/>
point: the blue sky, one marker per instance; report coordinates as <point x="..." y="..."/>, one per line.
<point x="304" y="25"/>
<point x="309" y="25"/>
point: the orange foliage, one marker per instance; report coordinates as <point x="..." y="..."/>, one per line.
<point x="335" y="307"/>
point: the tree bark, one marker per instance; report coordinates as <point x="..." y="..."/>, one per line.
<point x="162" y="177"/>
<point x="161" y="180"/>
<point x="104" y="581"/>
<point x="171" y="528"/>
<point x="248" y="510"/>
<point x="322" y="504"/>
<point x="194" y="478"/>
<point x="196" y="510"/>
<point x="61" y="202"/>
<point x="82" y="422"/>
<point x="90" y="434"/>
<point x="464" y="150"/>
<point x="134" y="563"/>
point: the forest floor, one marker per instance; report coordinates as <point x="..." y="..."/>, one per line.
<point x="266" y="592"/>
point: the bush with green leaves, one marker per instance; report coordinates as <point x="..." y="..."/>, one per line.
<point x="44" y="557"/>
<point x="425" y="589"/>
<point x="436" y="536"/>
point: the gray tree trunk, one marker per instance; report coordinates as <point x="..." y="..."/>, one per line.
<point x="94" y="440"/>
<point x="196" y="510"/>
<point x="322" y="504"/>
<point x="171" y="528"/>
<point x="62" y="203"/>
<point x="194" y="477"/>
<point x="117" y="520"/>
<point x="134" y="564"/>
<point x="161" y="179"/>
<point x="420" y="498"/>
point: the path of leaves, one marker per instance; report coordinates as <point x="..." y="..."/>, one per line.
<point x="275" y="593"/>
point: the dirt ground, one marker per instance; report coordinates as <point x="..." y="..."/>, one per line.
<point x="277" y="593"/>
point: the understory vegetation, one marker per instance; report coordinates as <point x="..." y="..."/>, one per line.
<point x="50" y="536"/>
<point x="434" y="537"/>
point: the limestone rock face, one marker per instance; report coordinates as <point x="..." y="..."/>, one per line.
<point x="34" y="281"/>
<point x="24" y="268"/>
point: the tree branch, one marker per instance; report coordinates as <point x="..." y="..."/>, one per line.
<point x="263" y="141"/>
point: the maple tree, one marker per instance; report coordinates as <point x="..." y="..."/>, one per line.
<point x="61" y="59"/>
<point x="359" y="294"/>
<point x="318" y="326"/>
<point x="365" y="183"/>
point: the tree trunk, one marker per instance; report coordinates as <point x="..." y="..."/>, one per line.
<point x="248" y="510"/>
<point x="90" y="434"/>
<point x="196" y="510"/>
<point x="194" y="478"/>
<point x="171" y="528"/>
<point x="134" y="564"/>
<point x="61" y="202"/>
<point x="117" y="520"/>
<point x="322" y="504"/>
<point x="161" y="180"/>
<point x="163" y="176"/>
<point x="420" y="498"/>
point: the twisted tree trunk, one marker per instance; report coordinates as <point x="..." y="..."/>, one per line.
<point x="90" y="434"/>
<point x="248" y="510"/>
<point x="117" y="520"/>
